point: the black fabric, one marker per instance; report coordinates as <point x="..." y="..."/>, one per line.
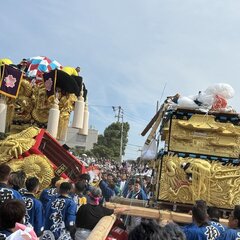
<point x="67" y="83"/>
<point x="88" y="215"/>
<point x="78" y="80"/>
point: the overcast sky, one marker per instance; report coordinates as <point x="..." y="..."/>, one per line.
<point x="130" y="49"/>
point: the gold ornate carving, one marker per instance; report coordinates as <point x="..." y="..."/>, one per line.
<point x="65" y="106"/>
<point x="41" y="104"/>
<point x="210" y="181"/>
<point x="35" y="166"/>
<point x="16" y="144"/>
<point x="201" y="134"/>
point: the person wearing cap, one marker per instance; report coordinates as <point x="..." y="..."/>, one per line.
<point x="89" y="214"/>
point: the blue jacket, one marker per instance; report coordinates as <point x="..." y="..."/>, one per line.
<point x="107" y="192"/>
<point x="8" y="193"/>
<point x="47" y="195"/>
<point x="232" y="234"/>
<point x="34" y="214"/>
<point x="140" y="195"/>
<point x="213" y="231"/>
<point x="60" y="214"/>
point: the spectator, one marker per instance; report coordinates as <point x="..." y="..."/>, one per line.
<point x="34" y="214"/>
<point x="122" y="182"/>
<point x="79" y="198"/>
<point x="6" y="192"/>
<point x="127" y="191"/>
<point x="60" y="215"/>
<point x="138" y="192"/>
<point x="108" y="187"/>
<point x="85" y="178"/>
<point x="233" y="233"/>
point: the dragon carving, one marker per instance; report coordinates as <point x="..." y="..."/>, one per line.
<point x="187" y="180"/>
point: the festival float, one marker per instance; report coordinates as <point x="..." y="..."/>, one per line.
<point x="199" y="158"/>
<point x="36" y="99"/>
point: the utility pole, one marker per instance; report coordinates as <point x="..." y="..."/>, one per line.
<point x="119" y="116"/>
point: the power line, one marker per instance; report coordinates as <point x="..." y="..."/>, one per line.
<point x="95" y="105"/>
<point x="130" y="117"/>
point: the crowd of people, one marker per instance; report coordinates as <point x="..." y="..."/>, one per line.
<point x="67" y="210"/>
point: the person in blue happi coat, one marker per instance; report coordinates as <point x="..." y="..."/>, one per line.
<point x="202" y="228"/>
<point x="233" y="232"/>
<point x="60" y="214"/>
<point x="6" y="192"/>
<point x="49" y="193"/>
<point x="34" y="214"/>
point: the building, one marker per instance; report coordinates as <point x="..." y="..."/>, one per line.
<point x="81" y="141"/>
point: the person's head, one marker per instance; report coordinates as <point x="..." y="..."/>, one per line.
<point x="53" y="181"/>
<point x="234" y="218"/>
<point x="130" y="185"/>
<point x="80" y="187"/>
<point x="112" y="185"/>
<point x="213" y="214"/>
<point x="95" y="195"/>
<point x="11" y="212"/>
<point x="104" y="176"/>
<point x="59" y="182"/>
<point x="110" y="177"/>
<point x="24" y="60"/>
<point x="148" y="230"/>
<point x="174" y="231"/>
<point x="78" y="69"/>
<point x="85" y="178"/>
<point x="199" y="213"/>
<point x="5" y="171"/>
<point x="32" y="184"/>
<point x="65" y="188"/>
<point x="123" y="176"/>
<point x="137" y="186"/>
<point x="17" y="179"/>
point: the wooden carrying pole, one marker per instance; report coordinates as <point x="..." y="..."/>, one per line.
<point x="102" y="229"/>
<point x="159" y="215"/>
<point x="129" y="201"/>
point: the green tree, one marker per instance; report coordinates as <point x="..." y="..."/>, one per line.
<point x="109" y="143"/>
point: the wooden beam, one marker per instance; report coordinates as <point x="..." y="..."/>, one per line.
<point x="102" y="229"/>
<point x="159" y="215"/>
<point x="129" y="201"/>
<point x="153" y="120"/>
